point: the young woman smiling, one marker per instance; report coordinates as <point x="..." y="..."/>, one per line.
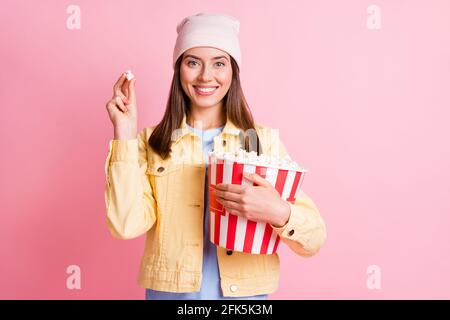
<point x="157" y="178"/>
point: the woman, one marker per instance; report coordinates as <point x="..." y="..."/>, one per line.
<point x="157" y="178"/>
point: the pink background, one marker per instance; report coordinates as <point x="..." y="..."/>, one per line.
<point x="366" y="111"/>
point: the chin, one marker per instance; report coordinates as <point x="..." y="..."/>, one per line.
<point x="206" y="104"/>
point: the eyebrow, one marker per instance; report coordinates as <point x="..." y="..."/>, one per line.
<point x="215" y="58"/>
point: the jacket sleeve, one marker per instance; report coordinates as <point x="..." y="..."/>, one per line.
<point x="130" y="205"/>
<point x="305" y="230"/>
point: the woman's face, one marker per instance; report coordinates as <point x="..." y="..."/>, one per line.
<point x="206" y="75"/>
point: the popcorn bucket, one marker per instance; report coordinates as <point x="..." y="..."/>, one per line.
<point x="238" y="233"/>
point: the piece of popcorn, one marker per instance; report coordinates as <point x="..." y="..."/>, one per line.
<point x="129" y="75"/>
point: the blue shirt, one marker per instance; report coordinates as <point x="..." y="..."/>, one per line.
<point x="210" y="287"/>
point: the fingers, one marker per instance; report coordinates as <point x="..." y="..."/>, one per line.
<point x="231" y="206"/>
<point x="123" y="97"/>
<point x="236" y="188"/>
<point x="116" y="102"/>
<point x="124" y="89"/>
<point x="119" y="83"/>
<point x="125" y="85"/>
<point x="120" y="104"/>
<point x="131" y="90"/>
<point x="121" y="89"/>
<point x="236" y="197"/>
<point x="256" y="178"/>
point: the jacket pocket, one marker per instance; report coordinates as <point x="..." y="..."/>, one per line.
<point x="163" y="168"/>
<point x="164" y="178"/>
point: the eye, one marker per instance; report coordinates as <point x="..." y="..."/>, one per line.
<point x="222" y="64"/>
<point x="190" y="62"/>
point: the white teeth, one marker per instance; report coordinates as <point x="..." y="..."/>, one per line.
<point x="206" y="89"/>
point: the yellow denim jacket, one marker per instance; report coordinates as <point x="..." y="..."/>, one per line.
<point x="164" y="199"/>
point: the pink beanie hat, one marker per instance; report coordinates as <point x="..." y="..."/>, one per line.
<point x="208" y="30"/>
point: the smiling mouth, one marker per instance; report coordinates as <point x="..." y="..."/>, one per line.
<point x="205" y="90"/>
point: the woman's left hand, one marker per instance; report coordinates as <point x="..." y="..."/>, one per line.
<point x="258" y="203"/>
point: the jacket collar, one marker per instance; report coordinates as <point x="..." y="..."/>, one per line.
<point x="229" y="128"/>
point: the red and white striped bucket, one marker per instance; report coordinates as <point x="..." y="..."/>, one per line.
<point x="237" y="233"/>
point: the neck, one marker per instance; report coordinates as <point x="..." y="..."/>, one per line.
<point x="206" y="118"/>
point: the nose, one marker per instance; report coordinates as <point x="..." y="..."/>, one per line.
<point x="205" y="75"/>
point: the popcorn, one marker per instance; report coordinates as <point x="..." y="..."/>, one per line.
<point x="238" y="233"/>
<point x="129" y="75"/>
<point x="242" y="156"/>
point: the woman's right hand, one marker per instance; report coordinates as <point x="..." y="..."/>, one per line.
<point x="122" y="109"/>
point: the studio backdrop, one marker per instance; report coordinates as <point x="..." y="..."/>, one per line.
<point x="359" y="91"/>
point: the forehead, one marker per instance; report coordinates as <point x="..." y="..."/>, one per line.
<point x="205" y="53"/>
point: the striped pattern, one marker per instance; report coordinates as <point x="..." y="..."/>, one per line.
<point x="237" y="233"/>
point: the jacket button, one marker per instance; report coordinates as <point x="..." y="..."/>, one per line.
<point x="229" y="252"/>
<point x="160" y="169"/>
<point x="291" y="232"/>
<point x="233" y="288"/>
<point x="224" y="143"/>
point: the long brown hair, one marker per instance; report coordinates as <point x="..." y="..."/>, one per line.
<point x="178" y="104"/>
